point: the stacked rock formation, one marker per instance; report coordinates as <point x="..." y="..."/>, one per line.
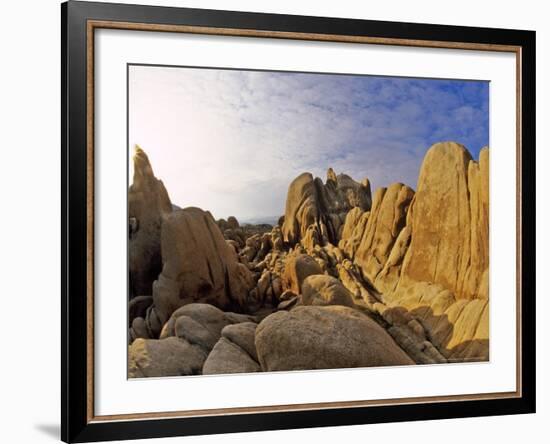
<point x="427" y="252"/>
<point x="343" y="280"/>
<point x="315" y="212"/>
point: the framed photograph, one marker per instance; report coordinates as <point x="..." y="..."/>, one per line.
<point x="275" y="221"/>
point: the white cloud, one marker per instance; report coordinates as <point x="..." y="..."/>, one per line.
<point x="231" y="141"/>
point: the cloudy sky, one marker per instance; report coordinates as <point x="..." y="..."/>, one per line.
<point x="231" y="141"/>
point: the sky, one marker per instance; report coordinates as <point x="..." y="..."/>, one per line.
<point x="231" y="141"/>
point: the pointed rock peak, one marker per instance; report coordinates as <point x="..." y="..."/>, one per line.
<point x="140" y="158"/>
<point x="138" y="149"/>
<point x="232" y="222"/>
<point x="142" y="167"/>
<point x="331" y="175"/>
<point x="365" y="183"/>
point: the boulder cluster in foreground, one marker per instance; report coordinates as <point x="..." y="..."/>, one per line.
<point x="346" y="278"/>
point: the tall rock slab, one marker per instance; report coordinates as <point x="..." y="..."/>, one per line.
<point x="148" y="203"/>
<point x="427" y="252"/>
<point x="438" y="269"/>
<point x="302" y="208"/>
<point x="386" y="221"/>
<point x="476" y="279"/>
<point x="448" y="220"/>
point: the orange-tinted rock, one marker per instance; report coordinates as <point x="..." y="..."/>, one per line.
<point x="322" y="207"/>
<point x="449" y="221"/>
<point x="386" y="220"/>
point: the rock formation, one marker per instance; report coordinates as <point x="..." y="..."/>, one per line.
<point x="449" y="221"/>
<point x="199" y="266"/>
<point x="191" y="335"/>
<point x="297" y="269"/>
<point x="324" y="337"/>
<point x="344" y="280"/>
<point x="167" y="357"/>
<point x="148" y="203"/>
<point x="320" y="289"/>
<point x="424" y="252"/>
<point x="317" y="211"/>
<point x="385" y="222"/>
<point x="235" y="352"/>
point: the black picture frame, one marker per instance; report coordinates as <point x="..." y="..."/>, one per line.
<point x="76" y="423"/>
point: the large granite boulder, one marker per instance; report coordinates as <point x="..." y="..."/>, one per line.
<point x="321" y="289"/>
<point x="297" y="268"/>
<point x="198" y="266"/>
<point x="322" y="338"/>
<point x="235" y="352"/>
<point x="201" y="324"/>
<point x="188" y="338"/>
<point x="148" y="203"/>
<point x="242" y="334"/>
<point x="164" y="357"/>
<point x="227" y="357"/>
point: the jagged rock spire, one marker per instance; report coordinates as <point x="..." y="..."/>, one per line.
<point x="148" y="202"/>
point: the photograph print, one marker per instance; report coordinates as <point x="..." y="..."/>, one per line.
<point x="282" y="221"/>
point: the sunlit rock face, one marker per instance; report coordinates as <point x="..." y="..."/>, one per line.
<point x="426" y="252"/>
<point x="317" y="210"/>
<point x="449" y="222"/>
<point x="343" y="280"/>
<point x="198" y="266"/>
<point x="324" y="337"/>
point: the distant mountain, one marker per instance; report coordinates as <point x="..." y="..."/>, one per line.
<point x="270" y="220"/>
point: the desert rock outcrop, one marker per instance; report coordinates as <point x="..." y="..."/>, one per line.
<point x="385" y="222"/>
<point x="322" y="208"/>
<point x="344" y="280"/>
<point x="436" y="255"/>
<point x="198" y="266"/>
<point x="449" y="221"/>
<point x="324" y="337"/>
<point x="148" y="203"/>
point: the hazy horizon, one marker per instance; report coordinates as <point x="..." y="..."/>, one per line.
<point x="231" y="141"/>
